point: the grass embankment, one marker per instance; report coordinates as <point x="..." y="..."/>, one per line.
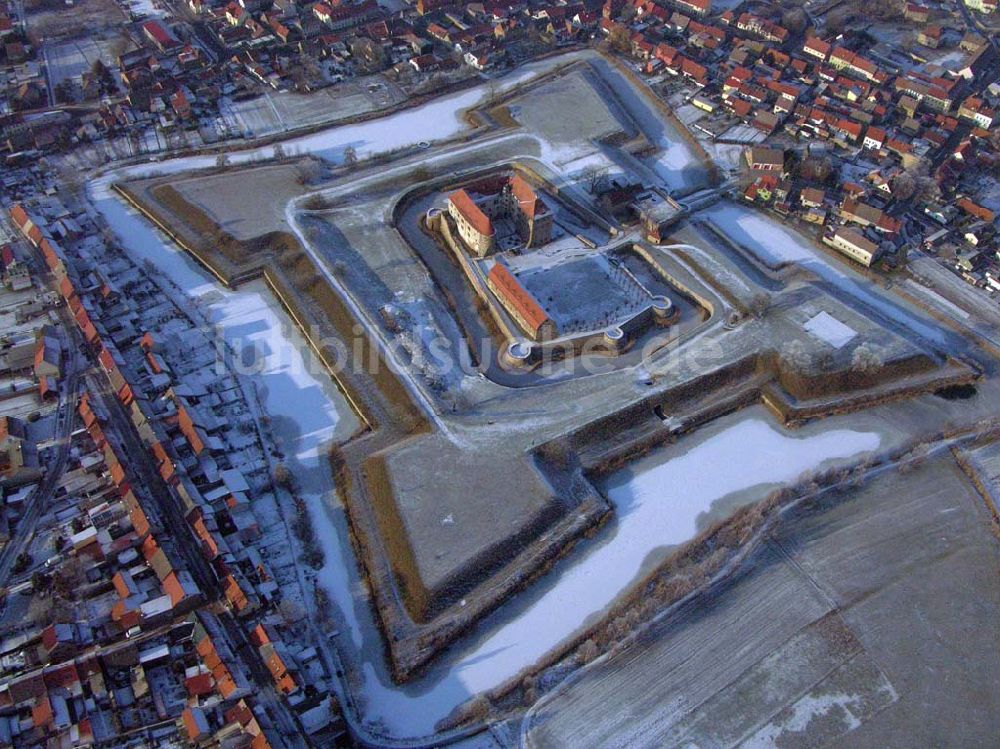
<point x="394" y="537"/>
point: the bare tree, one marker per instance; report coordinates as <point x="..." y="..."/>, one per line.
<point x="795" y="356"/>
<point x="760" y="304"/>
<point x="68" y="578"/>
<point x="868" y="358"/>
<point x="529" y="690"/>
<point x="308" y="171"/>
<point x="587" y="651"/>
<point x="795" y="20"/>
<point x="492" y="92"/>
<point x="815" y="168"/>
<point x="594" y="176"/>
<point x="291" y="611"/>
<point x="837" y="20"/>
<point x="927" y="189"/>
<point x="283" y="477"/>
<point x="904" y="186"/>
<point x="619" y="38"/>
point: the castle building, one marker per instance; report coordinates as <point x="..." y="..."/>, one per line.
<point x="474" y="210"/>
<point x="520" y="304"/>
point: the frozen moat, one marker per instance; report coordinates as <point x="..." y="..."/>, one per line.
<point x="660" y="501"/>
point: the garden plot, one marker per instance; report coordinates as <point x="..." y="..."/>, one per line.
<point x="50" y="19"/>
<point x="147" y="8"/>
<point x="439" y="119"/>
<point x="742" y="135"/>
<point x="73" y="57"/>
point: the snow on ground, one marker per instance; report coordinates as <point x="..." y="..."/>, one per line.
<point x="774" y="244"/>
<point x="767" y="239"/>
<point x="146" y="8"/>
<point x="439" y="119"/>
<point x="828" y="328"/>
<point x="303" y="404"/>
<point x="251" y="321"/>
<point x="947" y="304"/>
<point x="676" y="164"/>
<point x="726" y="155"/>
<point x="676" y="157"/>
<point x="580" y="161"/>
<point x="659" y="502"/>
<point x="651" y="511"/>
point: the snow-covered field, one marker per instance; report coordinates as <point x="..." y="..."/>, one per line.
<point x="146" y="7"/>
<point x="437" y="120"/>
<point x="659" y="501"/>
<point x="775" y="244"/>
<point x="767" y="239"/>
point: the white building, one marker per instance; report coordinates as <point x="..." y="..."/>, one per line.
<point x="854" y="245"/>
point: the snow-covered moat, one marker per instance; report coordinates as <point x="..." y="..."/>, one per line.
<point x="659" y="501"/>
<point x="775" y="244"/>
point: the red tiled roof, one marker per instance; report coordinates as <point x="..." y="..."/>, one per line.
<point x="665" y="53"/>
<point x="19" y="215"/>
<point x="61" y="676"/>
<point x="239" y="712"/>
<point x="741" y="106"/>
<point x="226" y="685"/>
<point x="976" y="210"/>
<point x="517" y="296"/>
<point x="191" y="724"/>
<point x="172" y="587"/>
<point x="817" y="45"/>
<point x="157" y="33"/>
<point x="472" y="212"/>
<point x="692" y="69"/>
<point x="527" y="198"/>
<point x="875" y="133"/>
<point x="41" y="713"/>
<point x="842" y="53"/>
<point x="200" y="685"/>
<point x="259" y="636"/>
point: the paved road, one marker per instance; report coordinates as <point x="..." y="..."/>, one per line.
<point x="65" y="421"/>
<point x="141" y="465"/>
